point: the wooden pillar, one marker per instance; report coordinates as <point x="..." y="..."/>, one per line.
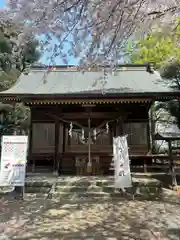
<point x="149" y="137"/>
<point x="172" y="170"/>
<point x="152" y="127"/>
<point x="30" y="144"/>
<point x="63" y="139"/>
<point x="145" y="165"/>
<point x="119" y="128"/>
<point x="56" y="149"/>
<point x="114" y="130"/>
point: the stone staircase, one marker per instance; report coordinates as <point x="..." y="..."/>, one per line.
<point x="82" y="188"/>
<point x="39" y="186"/>
<point x="35" y="187"/>
<point x="74" y="188"/>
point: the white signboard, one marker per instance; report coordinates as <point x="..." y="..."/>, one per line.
<point x="13" y="160"/>
<point x="122" y="173"/>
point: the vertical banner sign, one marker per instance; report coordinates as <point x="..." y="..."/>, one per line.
<point x="122" y="173"/>
<point x="13" y="160"/>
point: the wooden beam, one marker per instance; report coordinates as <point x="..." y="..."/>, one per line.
<point x="140" y="120"/>
<point x="92" y="115"/>
<point x="88" y="101"/>
<point x="45" y="116"/>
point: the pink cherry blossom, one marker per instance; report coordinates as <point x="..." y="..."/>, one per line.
<point x="96" y="30"/>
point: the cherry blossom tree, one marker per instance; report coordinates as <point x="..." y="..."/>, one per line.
<point x="96" y="30"/>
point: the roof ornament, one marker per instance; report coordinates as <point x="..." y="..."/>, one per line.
<point x="49" y="69"/>
<point x="103" y="81"/>
<point x="27" y="69"/>
<point x="124" y="68"/>
<point x="149" y="68"/>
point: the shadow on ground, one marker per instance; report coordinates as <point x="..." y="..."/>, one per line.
<point x="123" y="219"/>
<point x="166" y="179"/>
<point x="56" y="219"/>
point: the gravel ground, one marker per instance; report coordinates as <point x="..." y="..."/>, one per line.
<point x="123" y="219"/>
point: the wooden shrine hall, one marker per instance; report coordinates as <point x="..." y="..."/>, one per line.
<point x="75" y="115"/>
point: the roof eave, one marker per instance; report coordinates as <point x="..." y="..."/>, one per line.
<point x="153" y="95"/>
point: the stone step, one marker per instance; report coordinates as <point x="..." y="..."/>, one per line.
<point x="38" y="183"/>
<point x="110" y="190"/>
<point x="139" y="188"/>
<point x="101" y="195"/>
<point x="79" y="195"/>
<point x="56" y="196"/>
<point x="77" y="188"/>
<point x="98" y="182"/>
<point x="83" y="181"/>
<point x="88" y="187"/>
<point x="106" y="189"/>
<point x="30" y="196"/>
<point x="35" y="189"/>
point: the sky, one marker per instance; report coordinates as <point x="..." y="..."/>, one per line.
<point x="44" y="60"/>
<point x="2" y="2"/>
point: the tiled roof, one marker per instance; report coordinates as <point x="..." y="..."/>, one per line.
<point x="65" y="81"/>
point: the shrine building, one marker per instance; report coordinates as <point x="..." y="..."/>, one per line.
<point x="75" y="115"/>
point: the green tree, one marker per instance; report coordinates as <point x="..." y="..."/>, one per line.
<point x="171" y="72"/>
<point x="9" y="57"/>
<point x="11" y="67"/>
<point x="158" y="48"/>
<point x="161" y="48"/>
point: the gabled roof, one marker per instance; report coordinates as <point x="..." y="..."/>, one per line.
<point x="168" y="136"/>
<point x="69" y="81"/>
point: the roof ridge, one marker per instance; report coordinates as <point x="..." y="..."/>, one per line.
<point x="74" y="68"/>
